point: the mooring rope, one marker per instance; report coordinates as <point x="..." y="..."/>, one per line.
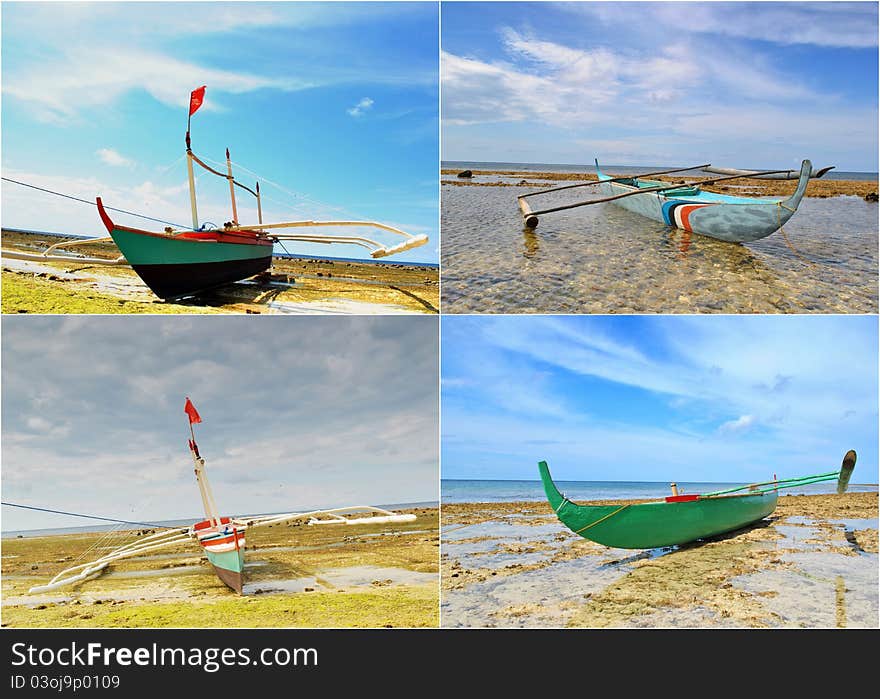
<point x="602" y="519"/>
<point x="76" y="514"/>
<point x="779" y="207"/>
<point x="90" y="203"/>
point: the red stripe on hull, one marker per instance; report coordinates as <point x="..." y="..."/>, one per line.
<point x="683" y="213"/>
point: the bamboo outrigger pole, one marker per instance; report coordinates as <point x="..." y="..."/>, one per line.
<point x="530" y="218"/>
<point x="614" y="179"/>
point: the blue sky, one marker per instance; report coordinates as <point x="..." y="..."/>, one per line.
<point x="735" y="84"/>
<point x="335" y="102"/>
<point x="297" y="413"/>
<point x="686" y="398"/>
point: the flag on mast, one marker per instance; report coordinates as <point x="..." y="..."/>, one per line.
<point x="190" y="410"/>
<point x="196" y="98"/>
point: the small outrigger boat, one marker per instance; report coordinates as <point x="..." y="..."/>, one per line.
<point x="685" y="205"/>
<point x="222" y="538"/>
<point x="178" y="263"/>
<point x="679" y="518"/>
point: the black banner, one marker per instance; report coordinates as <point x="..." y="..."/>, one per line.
<point x="82" y="661"/>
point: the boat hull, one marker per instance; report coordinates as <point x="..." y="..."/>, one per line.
<point x="224" y="546"/>
<point x="172" y="281"/>
<point x="176" y="265"/>
<point x="229" y="567"/>
<point x="727" y="218"/>
<point x="655" y="524"/>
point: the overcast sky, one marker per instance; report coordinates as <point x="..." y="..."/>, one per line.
<point x="298" y="413"/>
<point x="644" y="398"/>
<point x="336" y="103"/>
<point x="749" y="84"/>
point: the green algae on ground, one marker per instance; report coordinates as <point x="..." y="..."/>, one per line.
<point x="23" y="293"/>
<point x="381" y="607"/>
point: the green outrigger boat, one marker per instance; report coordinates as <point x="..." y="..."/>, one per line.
<point x="679" y="519"/>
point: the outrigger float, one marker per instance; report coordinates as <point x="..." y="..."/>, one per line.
<point x="221" y="538"/>
<point x="178" y="263"/>
<point x="685" y="205"/>
<point x="679" y="518"/>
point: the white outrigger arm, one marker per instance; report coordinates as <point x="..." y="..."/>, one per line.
<point x="340" y="515"/>
<point x="46" y="255"/>
<point x="358" y="514"/>
<point x="376" y="249"/>
<point x="87" y="571"/>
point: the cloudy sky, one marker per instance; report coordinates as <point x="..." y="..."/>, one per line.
<point x="336" y="103"/>
<point x="297" y="413"/>
<point x="736" y="84"/>
<point x="708" y="398"/>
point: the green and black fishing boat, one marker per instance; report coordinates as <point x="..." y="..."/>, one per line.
<point x="679" y="518"/>
<point x="185" y="262"/>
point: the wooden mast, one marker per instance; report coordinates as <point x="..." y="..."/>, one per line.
<point x="202" y="479"/>
<point x="192" y="182"/>
<point x="231" y="188"/>
<point x="259" y="205"/>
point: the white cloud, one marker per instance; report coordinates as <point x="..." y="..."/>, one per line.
<point x="111" y="157"/>
<point x="572" y="87"/>
<point x="741" y="424"/>
<point x="361" y="107"/>
<point x="97" y="76"/>
<point x="839" y="24"/>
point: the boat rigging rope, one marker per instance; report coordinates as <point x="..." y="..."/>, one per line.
<point x="779" y="207"/>
<point x="76" y="514"/>
<point x="91" y="203"/>
<point x="288" y="192"/>
<point x="602" y="519"/>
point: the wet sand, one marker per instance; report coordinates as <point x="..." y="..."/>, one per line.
<point x="296" y="576"/>
<point x="294" y="286"/>
<point x="812" y="564"/>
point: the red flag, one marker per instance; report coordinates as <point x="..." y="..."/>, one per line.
<point x="190" y="410"/>
<point x="196" y="99"/>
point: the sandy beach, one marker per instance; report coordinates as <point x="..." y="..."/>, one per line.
<point x="294" y="286"/>
<point x="812" y="564"/>
<point x="297" y="576"/>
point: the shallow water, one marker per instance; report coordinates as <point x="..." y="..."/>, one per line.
<point x="604" y="259"/>
<point x="547" y="595"/>
<point x="499" y="529"/>
<point x="822" y="589"/>
<point x="817" y="588"/>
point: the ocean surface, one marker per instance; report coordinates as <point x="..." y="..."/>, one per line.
<point x="624" y="169"/>
<point x="452" y="491"/>
<point x="85" y="529"/>
<point x="604" y="259"/>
